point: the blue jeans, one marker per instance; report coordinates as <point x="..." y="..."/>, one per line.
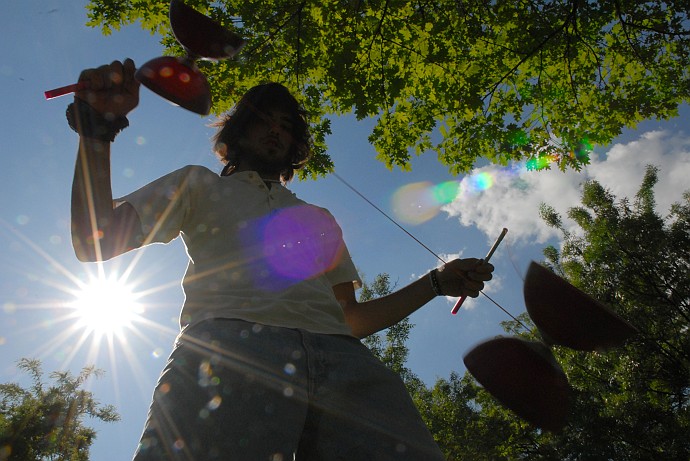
<point x="233" y="390"/>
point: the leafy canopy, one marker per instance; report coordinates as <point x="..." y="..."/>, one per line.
<point x="509" y="80"/>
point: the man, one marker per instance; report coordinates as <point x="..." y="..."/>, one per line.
<point x="268" y="365"/>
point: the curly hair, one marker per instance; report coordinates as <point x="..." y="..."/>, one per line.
<point x="233" y="125"/>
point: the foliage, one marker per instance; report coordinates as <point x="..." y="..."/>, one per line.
<point x="45" y="422"/>
<point x="541" y="80"/>
<point x="389" y="345"/>
<point x="638" y="263"/>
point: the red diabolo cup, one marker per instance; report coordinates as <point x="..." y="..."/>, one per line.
<point x="178" y="79"/>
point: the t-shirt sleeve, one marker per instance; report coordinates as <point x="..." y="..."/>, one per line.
<point x="345" y="270"/>
<point x="163" y="204"/>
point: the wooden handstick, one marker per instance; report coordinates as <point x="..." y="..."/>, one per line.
<point x="458" y="304"/>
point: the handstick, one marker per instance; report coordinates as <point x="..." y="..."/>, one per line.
<point x="458" y="304"/>
<point x="63" y="90"/>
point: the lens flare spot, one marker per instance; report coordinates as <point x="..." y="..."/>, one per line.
<point x="519" y="138"/>
<point x="290" y="369"/>
<point x="583" y="150"/>
<point x="214" y="403"/>
<point x="415" y="203"/>
<point x="446" y="192"/>
<point x="298" y="243"/>
<point x="541" y="162"/>
<point x="166" y="72"/>
<point x="482" y="181"/>
<point x="157" y="353"/>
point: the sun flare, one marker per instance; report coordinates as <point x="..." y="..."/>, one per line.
<point x="106" y="307"/>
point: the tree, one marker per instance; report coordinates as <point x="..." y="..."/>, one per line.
<point x="46" y="422"/>
<point x="542" y="80"/>
<point x="638" y="263"/>
<point x="389" y="345"/>
<point x="459" y="414"/>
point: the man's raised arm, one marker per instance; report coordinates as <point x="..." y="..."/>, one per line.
<point x="100" y="230"/>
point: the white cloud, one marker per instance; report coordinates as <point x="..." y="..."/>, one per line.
<point x="512" y="200"/>
<point x="624" y="166"/>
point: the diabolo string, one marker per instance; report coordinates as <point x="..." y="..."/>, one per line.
<point x="387" y="216"/>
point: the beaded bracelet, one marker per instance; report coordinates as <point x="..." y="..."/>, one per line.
<point x="434" y="283"/>
<point x="90" y="123"/>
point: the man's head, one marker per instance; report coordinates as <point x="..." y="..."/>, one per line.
<point x="270" y="111"/>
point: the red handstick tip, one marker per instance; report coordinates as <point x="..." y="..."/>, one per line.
<point x="458" y="304"/>
<point x="63" y="90"/>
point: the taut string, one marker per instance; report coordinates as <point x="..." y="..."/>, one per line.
<point x="353" y="189"/>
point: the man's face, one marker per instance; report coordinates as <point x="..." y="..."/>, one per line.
<point x="267" y="142"/>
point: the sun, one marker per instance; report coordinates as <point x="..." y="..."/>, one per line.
<point x="106" y="307"/>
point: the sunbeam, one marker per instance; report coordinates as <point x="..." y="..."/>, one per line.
<point x="99" y="316"/>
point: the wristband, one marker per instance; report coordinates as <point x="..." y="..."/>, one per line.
<point x="88" y="122"/>
<point x="434" y="283"/>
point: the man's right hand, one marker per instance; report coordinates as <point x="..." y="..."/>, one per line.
<point x="112" y="89"/>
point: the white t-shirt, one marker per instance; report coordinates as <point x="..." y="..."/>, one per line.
<point x="256" y="253"/>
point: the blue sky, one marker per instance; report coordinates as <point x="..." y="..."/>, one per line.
<point x="46" y="45"/>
